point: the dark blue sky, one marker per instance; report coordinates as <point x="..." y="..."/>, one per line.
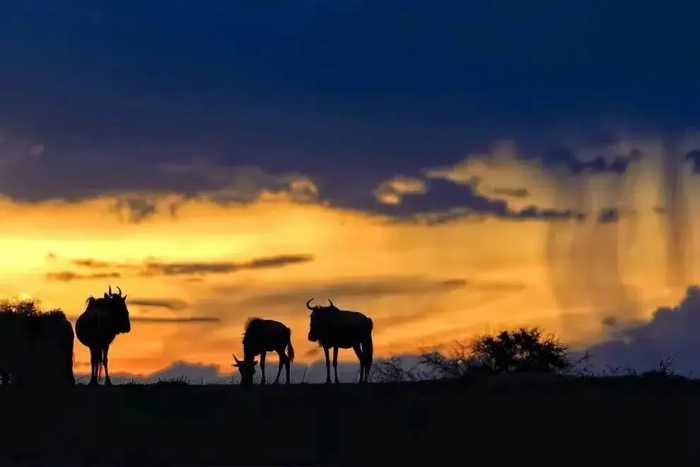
<point x="347" y="92"/>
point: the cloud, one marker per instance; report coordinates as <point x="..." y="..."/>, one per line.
<point x="693" y="157"/>
<point x="153" y="268"/>
<point x="238" y="184"/>
<point x="175" y="269"/>
<point x="176" y="320"/>
<point x="448" y="200"/>
<point x="672" y="333"/>
<point x="371" y="287"/>
<point x="91" y="263"/>
<point x="392" y="191"/>
<point x="512" y="192"/>
<point x="193" y="373"/>
<point x="566" y="157"/>
<point x="609" y="216"/>
<point x="144" y="188"/>
<point x="135" y="209"/>
<point x="168" y="303"/>
<point x="67" y="276"/>
<point x="204" y="373"/>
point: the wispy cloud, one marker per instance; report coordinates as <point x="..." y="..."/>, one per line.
<point x="67" y="276"/>
<point x="168" y="303"/>
<point x="91" y="263"/>
<point x="392" y="191"/>
<point x="512" y="192"/>
<point x="371" y="287"/>
<point x="164" y="268"/>
<point x="174" y="269"/>
<point x="176" y="320"/>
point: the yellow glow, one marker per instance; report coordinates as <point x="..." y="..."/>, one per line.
<point x="423" y="285"/>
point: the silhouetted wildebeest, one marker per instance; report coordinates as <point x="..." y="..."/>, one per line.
<point x="336" y="328"/>
<point x="97" y="327"/>
<point x="261" y="336"/>
<point x="36" y="348"/>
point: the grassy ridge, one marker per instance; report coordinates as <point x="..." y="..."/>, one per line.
<point x="445" y="423"/>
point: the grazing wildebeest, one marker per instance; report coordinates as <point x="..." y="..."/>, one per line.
<point x="97" y="327"/>
<point x="35" y="348"/>
<point x="261" y="336"/>
<point x="332" y="327"/>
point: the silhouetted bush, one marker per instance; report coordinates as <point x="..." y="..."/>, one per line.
<point x="524" y="350"/>
<point x="391" y="370"/>
<point x="458" y="363"/>
<point x="520" y="351"/>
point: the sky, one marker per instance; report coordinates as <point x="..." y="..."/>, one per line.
<point x="448" y="168"/>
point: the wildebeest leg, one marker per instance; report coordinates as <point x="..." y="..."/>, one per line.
<point x="328" y="365"/>
<point x="358" y="352"/>
<point x="262" y="367"/>
<point x="108" y="382"/>
<point x="281" y="356"/>
<point x="335" y="363"/>
<point x="287" y="364"/>
<point x="94" y="364"/>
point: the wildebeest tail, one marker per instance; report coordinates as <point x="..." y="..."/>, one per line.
<point x="368" y="350"/>
<point x="368" y="346"/>
<point x="290" y="349"/>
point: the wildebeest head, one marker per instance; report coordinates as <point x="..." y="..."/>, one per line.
<point x="319" y="315"/>
<point x="246" y="369"/>
<point x="119" y="310"/>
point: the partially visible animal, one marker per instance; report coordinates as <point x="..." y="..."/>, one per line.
<point x="97" y="327"/>
<point x="334" y="328"/>
<point x="36" y="349"/>
<point x="261" y="336"/>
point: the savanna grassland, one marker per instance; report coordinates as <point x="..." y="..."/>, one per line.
<point x="499" y="419"/>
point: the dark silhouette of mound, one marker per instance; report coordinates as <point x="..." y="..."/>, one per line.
<point x="36" y="349"/>
<point x="504" y="419"/>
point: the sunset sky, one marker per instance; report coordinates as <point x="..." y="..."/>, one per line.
<point x="448" y="168"/>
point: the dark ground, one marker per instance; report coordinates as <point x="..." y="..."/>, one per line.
<point x="524" y="419"/>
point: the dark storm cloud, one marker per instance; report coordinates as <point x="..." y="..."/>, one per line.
<point x="101" y="95"/>
<point x="693" y="157"/>
<point x="446" y="201"/>
<point x="566" y="157"/>
<point x="672" y="333"/>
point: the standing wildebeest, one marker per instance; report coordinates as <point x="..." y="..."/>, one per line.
<point x="332" y="327"/>
<point x="261" y="336"/>
<point x="35" y="348"/>
<point x="97" y="327"/>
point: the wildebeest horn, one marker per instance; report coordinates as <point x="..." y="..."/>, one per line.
<point x="236" y="359"/>
<point x="332" y="304"/>
<point x="110" y="290"/>
<point x="120" y="291"/>
<point x="307" y="304"/>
